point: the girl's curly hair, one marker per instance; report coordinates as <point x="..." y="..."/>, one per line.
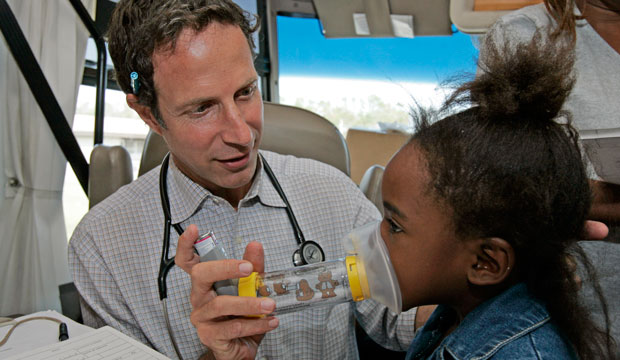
<point x="510" y="166"/>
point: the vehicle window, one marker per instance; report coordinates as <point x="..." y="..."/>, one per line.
<point x="362" y="82"/>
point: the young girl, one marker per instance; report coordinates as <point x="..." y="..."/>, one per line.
<point x="481" y="209"/>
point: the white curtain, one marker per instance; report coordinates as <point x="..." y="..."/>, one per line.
<point x="33" y="240"/>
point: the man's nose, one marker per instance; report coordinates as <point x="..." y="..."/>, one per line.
<point x="236" y="131"/>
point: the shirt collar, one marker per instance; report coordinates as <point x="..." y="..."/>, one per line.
<point x="187" y="197"/>
<point x="495" y="322"/>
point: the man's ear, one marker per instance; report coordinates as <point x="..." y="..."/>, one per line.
<point x="144" y="112"/>
<point x="493" y="263"/>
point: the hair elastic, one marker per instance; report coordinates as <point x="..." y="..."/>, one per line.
<point x="135" y="83"/>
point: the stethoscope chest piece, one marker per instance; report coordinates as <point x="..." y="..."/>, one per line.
<point x="308" y="253"/>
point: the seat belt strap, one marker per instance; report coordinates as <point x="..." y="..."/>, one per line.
<point x="43" y="93"/>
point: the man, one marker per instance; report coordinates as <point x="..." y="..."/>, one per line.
<point x="187" y="69"/>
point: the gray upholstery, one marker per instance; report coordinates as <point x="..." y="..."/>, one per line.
<point x="294" y="131"/>
<point x="287" y="130"/>
<point x="371" y="185"/>
<point x="110" y="168"/>
<point x="153" y="152"/>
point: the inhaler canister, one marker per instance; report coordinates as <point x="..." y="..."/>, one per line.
<point x="298" y="288"/>
<point x="209" y="249"/>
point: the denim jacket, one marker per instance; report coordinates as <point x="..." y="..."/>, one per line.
<point x="512" y="325"/>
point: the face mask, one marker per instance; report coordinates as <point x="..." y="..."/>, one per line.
<point x="375" y="266"/>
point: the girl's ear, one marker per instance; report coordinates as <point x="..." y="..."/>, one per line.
<point x="144" y="112"/>
<point x="494" y="262"/>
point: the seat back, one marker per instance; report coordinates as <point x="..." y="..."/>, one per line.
<point x="369" y="147"/>
<point x="153" y="152"/>
<point x="110" y="168"/>
<point x="371" y="185"/>
<point x="287" y="130"/>
<point x="294" y="131"/>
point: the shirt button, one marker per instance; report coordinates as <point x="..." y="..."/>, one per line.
<point x="239" y="241"/>
<point x="216" y="201"/>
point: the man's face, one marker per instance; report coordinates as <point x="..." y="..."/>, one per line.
<point x="209" y="101"/>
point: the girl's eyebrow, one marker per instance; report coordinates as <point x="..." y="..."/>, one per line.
<point x="393" y="209"/>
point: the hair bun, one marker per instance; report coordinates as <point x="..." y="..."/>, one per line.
<point x="523" y="81"/>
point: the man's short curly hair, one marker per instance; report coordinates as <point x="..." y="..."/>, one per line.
<point x="139" y="27"/>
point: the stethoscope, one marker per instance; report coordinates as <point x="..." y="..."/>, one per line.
<point x="308" y="252"/>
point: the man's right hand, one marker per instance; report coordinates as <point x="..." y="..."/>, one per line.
<point x="221" y="321"/>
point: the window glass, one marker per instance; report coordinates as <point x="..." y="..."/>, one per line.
<point x="366" y="82"/>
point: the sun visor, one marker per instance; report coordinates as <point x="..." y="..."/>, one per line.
<point x="383" y="18"/>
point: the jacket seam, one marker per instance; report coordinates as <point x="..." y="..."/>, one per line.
<point x="538" y="355"/>
<point x="517" y="335"/>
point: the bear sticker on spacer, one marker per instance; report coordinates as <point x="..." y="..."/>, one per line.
<point x="304" y="292"/>
<point x="326" y="285"/>
<point x="280" y="284"/>
<point x="264" y="290"/>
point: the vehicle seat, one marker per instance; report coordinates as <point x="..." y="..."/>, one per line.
<point x="110" y="168"/>
<point x="153" y="152"/>
<point x="371" y="185"/>
<point x="295" y="131"/>
<point x="287" y="130"/>
<point x="370" y="147"/>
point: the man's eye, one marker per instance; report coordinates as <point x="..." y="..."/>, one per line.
<point x="202" y="108"/>
<point x="247" y="91"/>
<point x="394" y="229"/>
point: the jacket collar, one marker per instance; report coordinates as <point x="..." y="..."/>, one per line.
<point x="499" y="320"/>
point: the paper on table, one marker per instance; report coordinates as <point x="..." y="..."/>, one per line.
<point x="104" y="343"/>
<point x="603" y="149"/>
<point x="36" y="333"/>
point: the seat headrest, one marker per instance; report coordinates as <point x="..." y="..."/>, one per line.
<point x="371" y="185"/>
<point x="153" y="152"/>
<point x="287" y="130"/>
<point x="295" y="131"/>
<point x="110" y="168"/>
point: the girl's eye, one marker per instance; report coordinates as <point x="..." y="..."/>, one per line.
<point x="393" y="227"/>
